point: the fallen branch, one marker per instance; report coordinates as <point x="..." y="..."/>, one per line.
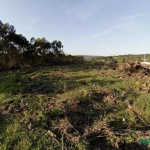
<point x="72" y="125"/>
<point x="52" y="135"/>
<point x="140" y="118"/>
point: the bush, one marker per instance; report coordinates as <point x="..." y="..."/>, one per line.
<point x="17" y="77"/>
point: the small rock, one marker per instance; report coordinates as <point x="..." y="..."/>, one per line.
<point x="30" y="126"/>
<point x="123" y="119"/>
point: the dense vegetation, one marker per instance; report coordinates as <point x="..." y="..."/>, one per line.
<point x="74" y="107"/>
<point x="119" y="58"/>
<point x="17" y="51"/>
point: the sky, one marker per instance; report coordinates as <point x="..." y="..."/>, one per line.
<point x="85" y="27"/>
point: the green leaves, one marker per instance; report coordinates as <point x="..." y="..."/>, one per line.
<point x="16" y="51"/>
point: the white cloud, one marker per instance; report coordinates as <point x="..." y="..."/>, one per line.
<point x="91" y="37"/>
<point x="134" y="16"/>
<point x="107" y="32"/>
<point x="32" y="23"/>
<point x="84" y="10"/>
<point x="101" y="34"/>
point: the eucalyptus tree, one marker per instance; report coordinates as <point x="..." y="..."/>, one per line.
<point x="7" y="33"/>
<point x="57" y="49"/>
<point x="41" y="48"/>
<point x="16" y="50"/>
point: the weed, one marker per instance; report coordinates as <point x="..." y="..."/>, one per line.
<point x="17" y="77"/>
<point x="82" y="145"/>
<point x="81" y="105"/>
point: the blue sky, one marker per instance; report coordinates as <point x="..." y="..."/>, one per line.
<point x="85" y="27"/>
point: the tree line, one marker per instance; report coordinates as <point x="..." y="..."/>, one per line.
<point x="17" y="51"/>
